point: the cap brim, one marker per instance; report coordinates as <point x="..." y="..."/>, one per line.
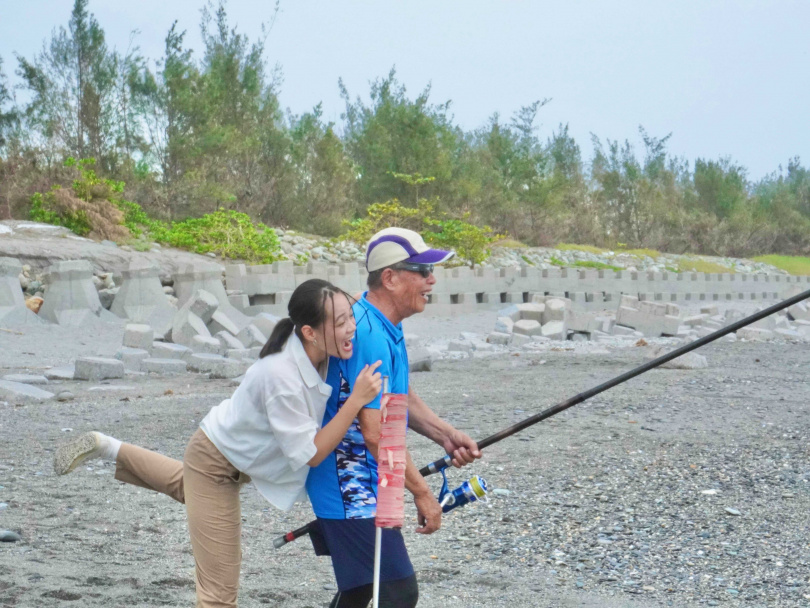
<point x="431" y="256"/>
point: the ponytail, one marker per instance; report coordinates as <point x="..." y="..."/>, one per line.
<point x="279" y="337"/>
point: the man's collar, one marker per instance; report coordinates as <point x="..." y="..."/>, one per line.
<point x="395" y="331"/>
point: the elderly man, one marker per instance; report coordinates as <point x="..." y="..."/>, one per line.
<point x="343" y="488"/>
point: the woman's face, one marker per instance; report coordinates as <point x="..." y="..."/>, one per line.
<point x="338" y="328"/>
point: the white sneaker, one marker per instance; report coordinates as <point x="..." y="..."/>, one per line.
<point x="71" y="455"/>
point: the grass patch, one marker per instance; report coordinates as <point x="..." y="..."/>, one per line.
<point x="586" y="248"/>
<point x="599" y="265"/>
<point x="556" y="261"/>
<point x="640" y="253"/>
<point x="509" y="244"/>
<point x="793" y="264"/>
<point x="687" y="265"/>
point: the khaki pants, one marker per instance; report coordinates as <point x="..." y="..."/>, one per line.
<point x="209" y="487"/>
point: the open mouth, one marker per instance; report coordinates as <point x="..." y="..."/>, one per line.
<point x="426" y="295"/>
<point x="347" y="346"/>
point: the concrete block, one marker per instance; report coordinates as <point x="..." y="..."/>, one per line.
<point x="411" y="340"/>
<point x="531" y="311"/>
<point x="138" y="336"/>
<point x="60" y="373"/>
<point x="799" y="312"/>
<point x="579" y="337"/>
<point x="504" y="325"/>
<point x="132" y="357"/>
<point x="768" y="322"/>
<point x="620" y="330"/>
<point x="216" y="366"/>
<point x="206" y="344"/>
<point x="141" y="298"/>
<point x="98" y="368"/>
<point x="238" y="353"/>
<point x="13" y="311"/>
<point x="501" y="338"/>
<point x="203" y="304"/>
<point x="519" y="340"/>
<point x="72" y="299"/>
<point x="555" y="311"/>
<point x="755" y="334"/>
<point x="513" y="312"/>
<point x="732" y="316"/>
<point x="17" y="392"/>
<point x="555" y="330"/>
<point x="265" y="323"/>
<point x="164" y="366"/>
<point x="709" y="311"/>
<point x="787" y="334"/>
<point x="582" y="321"/>
<point x="221" y="322"/>
<point x="527" y="328"/>
<point x="240" y="301"/>
<point x="649" y="318"/>
<point x="208" y="277"/>
<point x="228" y="341"/>
<point x="251" y="336"/>
<point x="419" y="360"/>
<point x="803" y="331"/>
<point x="167" y="350"/>
<point x="459" y="346"/>
<point x="34" y="379"/>
<point x="188" y="326"/>
<point x="695" y="320"/>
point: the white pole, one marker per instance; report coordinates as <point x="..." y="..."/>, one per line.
<point x="378" y="537"/>
<point x="377" y="553"/>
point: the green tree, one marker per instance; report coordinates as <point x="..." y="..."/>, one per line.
<point x="396" y="135"/>
<point x="721" y="186"/>
<point x="72" y="84"/>
<point x="324" y="176"/>
<point x="8" y="113"/>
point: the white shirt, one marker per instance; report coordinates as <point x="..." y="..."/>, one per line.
<point x="267" y="428"/>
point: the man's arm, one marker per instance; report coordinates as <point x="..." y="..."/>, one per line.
<point x="424" y="421"/>
<point x="428" y="508"/>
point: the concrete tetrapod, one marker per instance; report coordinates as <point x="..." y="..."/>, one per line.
<point x="13" y="311"/>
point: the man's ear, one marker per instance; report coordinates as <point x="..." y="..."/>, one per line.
<point x="389" y="279"/>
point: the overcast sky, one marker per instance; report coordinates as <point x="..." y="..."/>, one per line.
<point x="725" y="77"/>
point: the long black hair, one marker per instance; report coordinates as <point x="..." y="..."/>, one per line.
<point x="307" y="306"/>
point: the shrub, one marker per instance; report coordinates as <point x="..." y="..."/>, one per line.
<point x="88" y="208"/>
<point x="598" y="265"/>
<point x="585" y="248"/>
<point x="230" y="234"/>
<point x="795" y="265"/>
<point x="692" y="265"/>
<point x="470" y="242"/>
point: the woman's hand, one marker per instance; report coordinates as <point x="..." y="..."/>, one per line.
<point x="368" y="384"/>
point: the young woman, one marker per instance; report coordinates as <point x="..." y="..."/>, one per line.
<point x="268" y="432"/>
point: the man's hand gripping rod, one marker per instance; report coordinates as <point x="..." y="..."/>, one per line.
<point x="443" y="463"/>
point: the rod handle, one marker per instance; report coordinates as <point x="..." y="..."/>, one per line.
<point x="291" y="536"/>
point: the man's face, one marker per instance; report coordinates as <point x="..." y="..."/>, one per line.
<point x="411" y="291"/>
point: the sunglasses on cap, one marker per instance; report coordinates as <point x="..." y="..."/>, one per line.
<point x="424" y="269"/>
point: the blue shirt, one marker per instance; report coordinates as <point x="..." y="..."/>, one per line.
<point x="344" y="485"/>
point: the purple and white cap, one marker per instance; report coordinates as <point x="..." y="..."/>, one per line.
<point x="394" y="245"/>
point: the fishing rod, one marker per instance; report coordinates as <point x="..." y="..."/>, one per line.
<point x="439" y="466"/>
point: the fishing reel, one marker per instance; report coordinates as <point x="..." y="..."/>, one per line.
<point x="475" y="488"/>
